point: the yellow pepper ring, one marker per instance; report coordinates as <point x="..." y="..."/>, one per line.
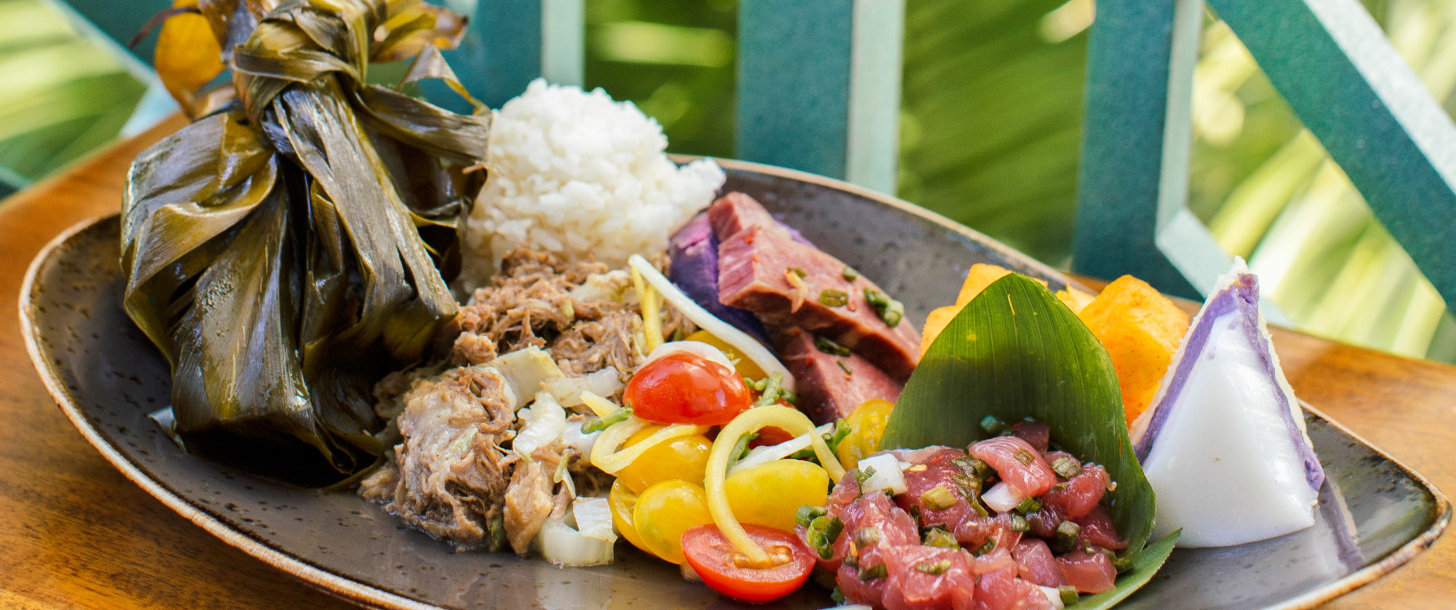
<point x="752" y="420"/>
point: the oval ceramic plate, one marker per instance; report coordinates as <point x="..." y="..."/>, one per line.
<point x="1374" y="513"/>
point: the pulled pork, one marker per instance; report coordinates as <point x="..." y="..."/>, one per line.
<point x="453" y="475"/>
<point x="449" y="477"/>
<point x="582" y="312"/>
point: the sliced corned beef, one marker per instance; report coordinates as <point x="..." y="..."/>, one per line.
<point x="828" y="391"/>
<point x="753" y="269"/>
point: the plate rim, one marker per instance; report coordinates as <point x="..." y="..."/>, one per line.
<point x="363" y="593"/>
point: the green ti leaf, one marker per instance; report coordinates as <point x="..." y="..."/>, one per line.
<point x="1013" y="352"/>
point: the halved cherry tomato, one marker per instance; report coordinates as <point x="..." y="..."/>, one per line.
<point x="725" y="570"/>
<point x="622" y="502"/>
<point x="771" y="493"/>
<point x="685" y="458"/>
<point x="664" y="511"/>
<point x="685" y="388"/>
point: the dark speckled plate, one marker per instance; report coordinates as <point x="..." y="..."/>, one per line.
<point x="1374" y="515"/>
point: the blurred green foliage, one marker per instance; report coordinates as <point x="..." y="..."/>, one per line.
<point x="989" y="134"/>
<point x="65" y="94"/>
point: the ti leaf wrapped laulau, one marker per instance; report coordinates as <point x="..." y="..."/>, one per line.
<point x="285" y="250"/>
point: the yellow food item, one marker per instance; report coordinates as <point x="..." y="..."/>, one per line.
<point x="622" y="502"/>
<point x="745" y="366"/>
<point x="978" y="278"/>
<point x="771" y="493"/>
<point x="684" y="457"/>
<point x="664" y="511"/>
<point x="866" y="425"/>
<point x="1141" y="329"/>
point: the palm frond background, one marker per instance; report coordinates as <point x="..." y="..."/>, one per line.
<point x="990" y="124"/>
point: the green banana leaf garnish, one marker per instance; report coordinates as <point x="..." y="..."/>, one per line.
<point x="285" y="250"/>
<point x="1016" y="351"/>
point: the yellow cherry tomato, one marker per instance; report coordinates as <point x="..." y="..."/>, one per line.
<point x="685" y="458"/>
<point x="866" y="425"/>
<point x="664" y="511"/>
<point x="622" y="501"/>
<point x="745" y="366"/>
<point x="771" y="493"/>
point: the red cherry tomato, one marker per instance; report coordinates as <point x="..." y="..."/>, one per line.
<point x="685" y="388"/>
<point x="719" y="563"/>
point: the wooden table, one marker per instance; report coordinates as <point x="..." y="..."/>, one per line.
<point x="75" y="532"/>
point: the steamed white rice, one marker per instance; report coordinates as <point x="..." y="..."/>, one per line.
<point x="576" y="173"/>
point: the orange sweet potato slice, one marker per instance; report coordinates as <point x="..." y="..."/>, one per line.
<point x="1141" y="329"/>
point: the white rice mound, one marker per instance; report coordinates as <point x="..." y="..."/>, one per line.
<point x="575" y="173"/>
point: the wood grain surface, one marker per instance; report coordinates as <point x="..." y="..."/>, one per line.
<point x="75" y="533"/>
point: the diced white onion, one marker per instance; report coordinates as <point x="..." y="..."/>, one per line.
<point x="545" y="420"/>
<point x="887" y="475"/>
<point x="572" y="436"/>
<point x="524" y="371"/>
<point x="594" y="518"/>
<point x="698" y="348"/>
<point x="766" y="454"/>
<point x="741" y="341"/>
<point x="564" y="546"/>
<point x="1053" y="595"/>
<point x="1001" y="498"/>
<point x="568" y="390"/>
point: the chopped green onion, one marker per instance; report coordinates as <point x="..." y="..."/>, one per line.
<point x="837" y="596"/>
<point x="973" y="466"/>
<point x="986" y="548"/>
<point x="1066" y="466"/>
<point x="821" y="534"/>
<point x="773" y="392"/>
<point x="936" y="568"/>
<point x="808" y="513"/>
<point x="602" y="423"/>
<point x="1019" y="523"/>
<point x="841" y="432"/>
<point x="740" y="448"/>
<point x="868" y="574"/>
<point x="844" y="367"/>
<point x="868" y="535"/>
<point x="1068" y="594"/>
<point x="797" y="271"/>
<point x="1028" y="506"/>
<point x="970" y="486"/>
<point x="992" y="425"/>
<point x="891" y="311"/>
<point x="849" y="273"/>
<point x="862" y="475"/>
<point x="1025" y="457"/>
<point x="1122" y="564"/>
<point x="830" y="347"/>
<point x="937" y="498"/>
<point x="1065" y="537"/>
<point x="833" y="298"/>
<point x="938" y="536"/>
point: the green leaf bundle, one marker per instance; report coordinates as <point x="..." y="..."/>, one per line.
<point x="285" y="251"/>
<point x="1015" y="351"/>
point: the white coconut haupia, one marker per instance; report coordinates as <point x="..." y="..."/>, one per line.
<point x="1224" y="446"/>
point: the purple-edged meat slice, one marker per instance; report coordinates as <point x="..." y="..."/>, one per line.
<point x="1224" y="446"/>
<point x="831" y="386"/>
<point x="761" y="268"/>
<point x="693" y="251"/>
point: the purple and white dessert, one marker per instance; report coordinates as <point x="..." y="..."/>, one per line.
<point x="1225" y="446"/>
